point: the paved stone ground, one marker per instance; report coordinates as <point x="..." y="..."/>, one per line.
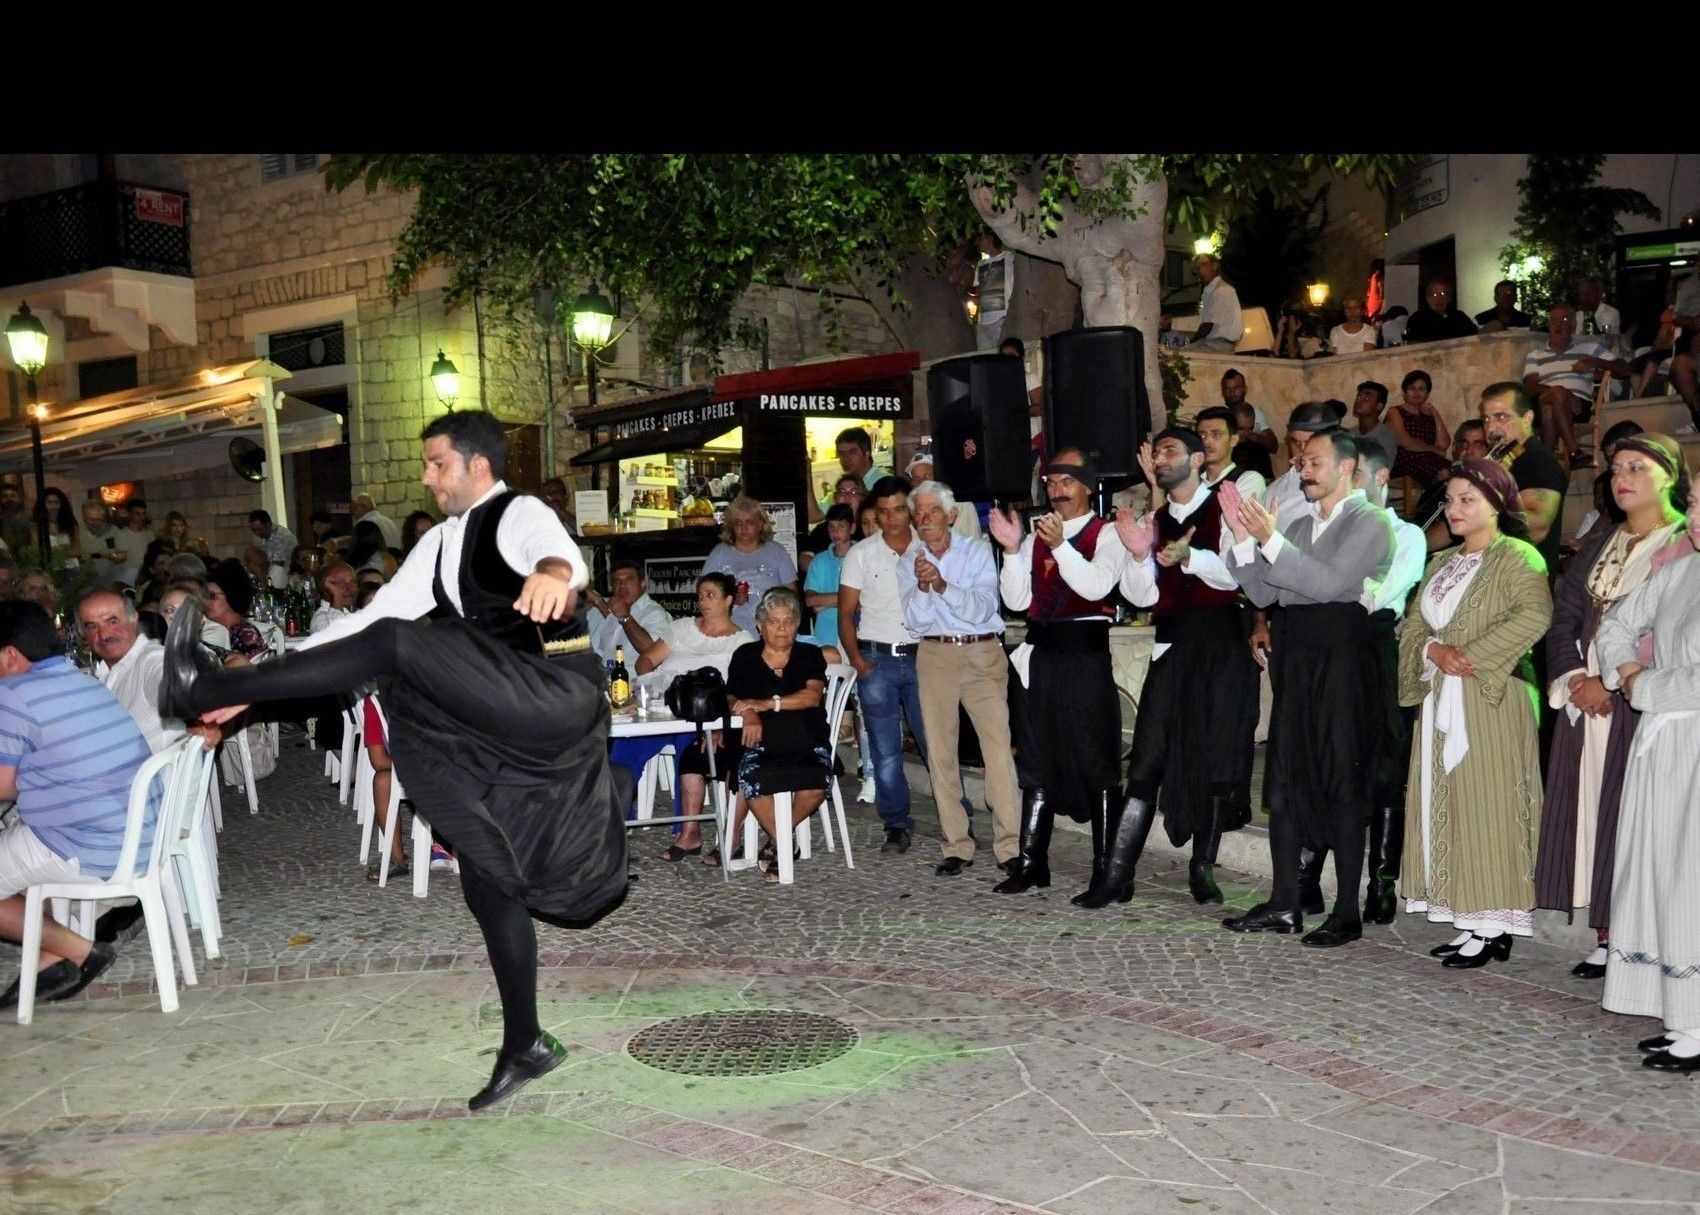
<point x="1013" y="1054"/>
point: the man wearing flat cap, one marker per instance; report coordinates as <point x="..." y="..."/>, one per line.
<point x="1066" y="716"/>
<point x="1313" y="564"/>
<point x="1192" y="744"/>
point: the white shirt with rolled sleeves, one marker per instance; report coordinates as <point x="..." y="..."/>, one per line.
<point x="530" y="532"/>
<point x="968" y="605"/>
<point x="1410" y="556"/>
<point x="870" y="568"/>
<point x="1092" y="580"/>
<point x="606" y="632"/>
<point x="1219" y="307"/>
<point x="1139" y="578"/>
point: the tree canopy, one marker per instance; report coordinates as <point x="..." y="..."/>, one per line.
<point x="689" y="233"/>
<point x="1568" y="223"/>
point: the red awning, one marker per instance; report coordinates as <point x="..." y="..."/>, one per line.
<point x="812" y="376"/>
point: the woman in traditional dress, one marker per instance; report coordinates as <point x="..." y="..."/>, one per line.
<point x="1592" y="735"/>
<point x="1653" y="967"/>
<point x="1474" y="796"/>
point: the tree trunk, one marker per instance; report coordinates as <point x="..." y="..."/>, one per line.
<point x="1118" y="263"/>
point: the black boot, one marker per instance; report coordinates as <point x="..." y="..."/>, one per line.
<point x="1386" y="850"/>
<point x="1200" y="877"/>
<point x="1033" y="866"/>
<point x="1310" y="880"/>
<point x="1104" y="822"/>
<point x="1132" y="828"/>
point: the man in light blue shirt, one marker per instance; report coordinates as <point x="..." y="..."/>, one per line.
<point x="68" y="754"/>
<point x="948" y="589"/>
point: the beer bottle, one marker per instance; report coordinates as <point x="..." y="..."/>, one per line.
<point x="619" y="683"/>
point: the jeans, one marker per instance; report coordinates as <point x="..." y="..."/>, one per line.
<point x="891" y="694"/>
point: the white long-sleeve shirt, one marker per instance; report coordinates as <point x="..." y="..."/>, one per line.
<point x="1139" y="578"/>
<point x="1410" y="556"/>
<point x="1091" y="580"/>
<point x="529" y="532"/>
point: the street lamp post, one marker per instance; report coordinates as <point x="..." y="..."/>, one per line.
<point x="445" y="378"/>
<point x="593" y="321"/>
<point x="28" y="341"/>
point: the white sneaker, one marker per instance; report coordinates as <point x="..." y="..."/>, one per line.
<point x="866" y="795"/>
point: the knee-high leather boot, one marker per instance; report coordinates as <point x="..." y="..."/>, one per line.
<point x="1310" y="880"/>
<point x="1033" y="865"/>
<point x="1200" y="875"/>
<point x="1105" y="816"/>
<point x="1128" y="841"/>
<point x="1386" y="850"/>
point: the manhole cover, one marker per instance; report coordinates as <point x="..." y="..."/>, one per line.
<point x="745" y="1042"/>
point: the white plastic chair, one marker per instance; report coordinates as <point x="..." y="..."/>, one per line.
<point x="840" y="682"/>
<point x="421" y="828"/>
<point x="193" y="854"/>
<point x="340" y="767"/>
<point x="154" y="886"/>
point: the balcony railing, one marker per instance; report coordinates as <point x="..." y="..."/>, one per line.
<point x="102" y="223"/>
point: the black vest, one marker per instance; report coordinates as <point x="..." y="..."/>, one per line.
<point x="489" y="586"/>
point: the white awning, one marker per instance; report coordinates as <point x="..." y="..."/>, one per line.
<point x="167" y="428"/>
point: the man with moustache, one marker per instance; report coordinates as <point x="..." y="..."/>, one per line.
<point x="1384" y="599"/>
<point x="1314" y="565"/>
<point x="1192" y="744"/>
<point x="1066" y="717"/>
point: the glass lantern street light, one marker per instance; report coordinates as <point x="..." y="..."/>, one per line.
<point x="445" y="376"/>
<point x="1317" y="293"/>
<point x="593" y="323"/>
<point x="27" y="338"/>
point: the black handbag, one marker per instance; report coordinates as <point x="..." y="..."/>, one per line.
<point x="698" y="696"/>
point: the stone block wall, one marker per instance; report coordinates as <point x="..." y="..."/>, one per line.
<point x="1461" y="369"/>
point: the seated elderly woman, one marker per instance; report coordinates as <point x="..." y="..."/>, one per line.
<point x="183" y="589"/>
<point x="779" y="688"/>
<point x="707" y="639"/>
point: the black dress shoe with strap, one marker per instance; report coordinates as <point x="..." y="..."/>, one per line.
<point x="514" y="1072"/>
<point x="951" y="866"/>
<point x="1264" y="918"/>
<point x="1335" y="931"/>
<point x="1444" y="951"/>
<point x="1664" y="1061"/>
<point x="1494" y="949"/>
<point x="1657" y="1042"/>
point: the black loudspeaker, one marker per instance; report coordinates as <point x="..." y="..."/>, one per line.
<point x="1095" y="397"/>
<point x="978" y="405"/>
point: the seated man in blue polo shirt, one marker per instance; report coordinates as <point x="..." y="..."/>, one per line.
<point x="68" y="755"/>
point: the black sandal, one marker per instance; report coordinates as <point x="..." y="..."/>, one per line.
<point x="675" y="853"/>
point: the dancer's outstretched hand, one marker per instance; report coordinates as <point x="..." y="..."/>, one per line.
<point x="545" y="597"/>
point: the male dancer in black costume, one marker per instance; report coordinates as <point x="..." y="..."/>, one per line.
<point x="1192" y="742"/>
<point x="495" y="707"/>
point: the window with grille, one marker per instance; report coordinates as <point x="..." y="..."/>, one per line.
<point x="305" y="349"/>
<point x="275" y="166"/>
<point x="97" y="377"/>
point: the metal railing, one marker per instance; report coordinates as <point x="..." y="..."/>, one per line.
<point x="87" y="227"/>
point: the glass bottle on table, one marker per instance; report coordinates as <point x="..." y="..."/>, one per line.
<point x="619" y="682"/>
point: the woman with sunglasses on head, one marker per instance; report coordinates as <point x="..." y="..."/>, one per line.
<point x="1595" y="728"/>
<point x="1653" y="964"/>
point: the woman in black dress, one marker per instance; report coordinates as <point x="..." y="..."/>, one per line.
<point x="779" y="688"/>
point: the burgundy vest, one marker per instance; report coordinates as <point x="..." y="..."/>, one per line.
<point x="1054" y="599"/>
<point x="1178" y="593"/>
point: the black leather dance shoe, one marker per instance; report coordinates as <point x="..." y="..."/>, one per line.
<point x="1664" y="1061"/>
<point x="1264" y="918"/>
<point x="1589" y="970"/>
<point x="1657" y="1042"/>
<point x="1497" y="949"/>
<point x="185" y="660"/>
<point x="514" y="1072"/>
<point x="1444" y="951"/>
